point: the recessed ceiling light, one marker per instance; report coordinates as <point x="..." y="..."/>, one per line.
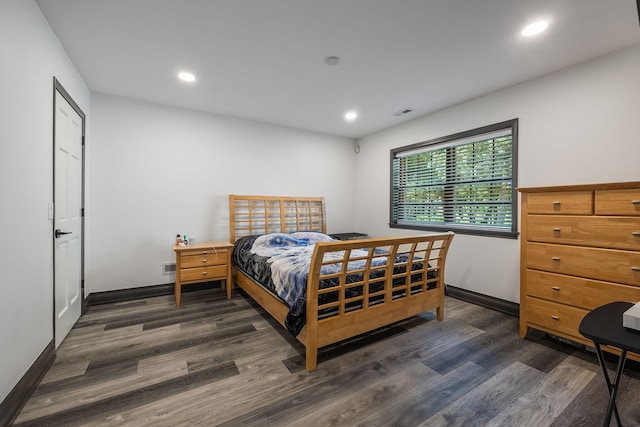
<point x="332" y="60"/>
<point x="351" y="115"/>
<point x="534" y="28"/>
<point x="187" y="77"/>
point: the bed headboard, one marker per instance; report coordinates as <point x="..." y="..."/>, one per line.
<point x="272" y="214"/>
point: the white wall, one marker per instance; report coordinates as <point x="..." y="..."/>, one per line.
<point x="154" y="171"/>
<point x="31" y="57"/>
<point x="576" y="126"/>
<point x="157" y="171"/>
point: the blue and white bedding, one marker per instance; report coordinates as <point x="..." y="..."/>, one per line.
<point x="280" y="262"/>
<point x="290" y="259"/>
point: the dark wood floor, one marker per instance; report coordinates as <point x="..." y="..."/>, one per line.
<point x="224" y="362"/>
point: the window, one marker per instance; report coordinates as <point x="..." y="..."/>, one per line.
<point x="464" y="182"/>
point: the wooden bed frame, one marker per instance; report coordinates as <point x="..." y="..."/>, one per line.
<point x="401" y="297"/>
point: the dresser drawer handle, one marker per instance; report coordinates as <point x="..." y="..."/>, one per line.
<point x="205" y="260"/>
<point x="204" y="253"/>
<point x="636" y="233"/>
<point x="635" y="268"/>
<point x="555" y="258"/>
<point x="556" y="229"/>
<point x="555" y="288"/>
<point x="555" y="202"/>
<point x="636" y="202"/>
<point x="555" y="317"/>
<point x="204" y="273"/>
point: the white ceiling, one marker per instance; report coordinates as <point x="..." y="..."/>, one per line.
<point x="264" y="59"/>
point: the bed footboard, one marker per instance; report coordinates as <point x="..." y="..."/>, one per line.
<point x="358" y="286"/>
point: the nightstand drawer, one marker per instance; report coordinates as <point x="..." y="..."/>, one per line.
<point x="556" y="317"/>
<point x="203" y="273"/>
<point x="618" y="202"/>
<point x="561" y="203"/>
<point x="203" y="259"/>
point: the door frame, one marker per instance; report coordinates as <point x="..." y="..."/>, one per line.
<point x="58" y="88"/>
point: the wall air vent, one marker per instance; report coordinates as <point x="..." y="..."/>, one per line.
<point x="402" y="112"/>
<point x="168" y="267"/>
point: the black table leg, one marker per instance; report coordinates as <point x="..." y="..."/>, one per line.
<point x="612" y="387"/>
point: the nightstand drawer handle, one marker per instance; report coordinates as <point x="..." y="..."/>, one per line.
<point x="635" y="268"/>
<point x="555" y="288"/>
<point x="556" y="202"/>
<point x="555" y="258"/>
<point x="635" y="202"/>
<point x="636" y="233"/>
<point x="204" y="252"/>
<point x="555" y="317"/>
<point x="204" y="273"/>
<point x="205" y="260"/>
<point x="556" y="229"/>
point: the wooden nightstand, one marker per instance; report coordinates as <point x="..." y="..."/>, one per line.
<point x="203" y="262"/>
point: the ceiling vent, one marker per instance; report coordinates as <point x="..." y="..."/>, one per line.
<point x="402" y="112"/>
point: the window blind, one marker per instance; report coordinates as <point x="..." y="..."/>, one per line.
<point x="466" y="182"/>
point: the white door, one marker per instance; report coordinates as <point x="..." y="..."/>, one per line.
<point x="68" y="161"/>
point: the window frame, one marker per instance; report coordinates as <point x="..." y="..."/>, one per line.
<point x="509" y="233"/>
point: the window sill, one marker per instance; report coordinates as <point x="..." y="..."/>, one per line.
<point x="475" y="231"/>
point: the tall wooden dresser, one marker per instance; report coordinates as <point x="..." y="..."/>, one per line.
<point x="580" y="249"/>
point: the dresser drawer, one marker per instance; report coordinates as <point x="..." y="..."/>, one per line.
<point x="551" y="316"/>
<point x="583" y="293"/>
<point x="618" y="202"/>
<point x="561" y="203"/>
<point x="602" y="264"/>
<point x="203" y="273"/>
<point x="605" y="232"/>
<point x="203" y="259"/>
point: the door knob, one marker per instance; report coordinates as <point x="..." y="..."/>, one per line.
<point x="59" y="233"/>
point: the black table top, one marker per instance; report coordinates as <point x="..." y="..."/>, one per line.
<point x="347" y="236"/>
<point x="604" y="325"/>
